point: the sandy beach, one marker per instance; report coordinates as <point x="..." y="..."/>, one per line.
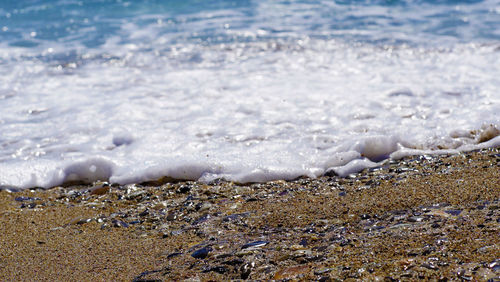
<point x="423" y="217"/>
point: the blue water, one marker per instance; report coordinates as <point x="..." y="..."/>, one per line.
<point x="248" y="91"/>
<point x="90" y="24"/>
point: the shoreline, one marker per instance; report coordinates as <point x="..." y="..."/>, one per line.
<point x="427" y="217"/>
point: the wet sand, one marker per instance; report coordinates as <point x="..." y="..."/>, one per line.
<point x="423" y="217"/>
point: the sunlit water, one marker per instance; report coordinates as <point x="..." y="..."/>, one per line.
<point x="245" y="90"/>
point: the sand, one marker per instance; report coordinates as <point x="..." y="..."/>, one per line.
<point x="423" y="217"/>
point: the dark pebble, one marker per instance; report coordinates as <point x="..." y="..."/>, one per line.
<point x="303" y="242"/>
<point x="201" y="253"/>
<point x="171" y="216"/>
<point x="342" y="193"/>
<point x="283" y="193"/>
<point x="119" y="223"/>
<point x="435" y="225"/>
<point x="173" y="255"/>
<point x="218" y="269"/>
<point x="246" y="269"/>
<point x="453" y="212"/>
<point x="202" y="219"/>
<point x="30" y="206"/>
<point x="254" y="244"/>
<point x="233" y="262"/>
<point x="365" y="216"/>
<point x="309" y="230"/>
<point x="427" y="249"/>
<point x="341" y="240"/>
<point x="184" y="189"/>
<point x="22" y="199"/>
<point x="235" y="216"/>
<point x="330" y="173"/>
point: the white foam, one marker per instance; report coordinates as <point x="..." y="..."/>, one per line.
<point x="246" y="112"/>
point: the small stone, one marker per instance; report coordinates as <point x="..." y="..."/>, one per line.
<point x="439" y="213"/>
<point x="218" y="269"/>
<point x="201" y="253"/>
<point x="254" y="244"/>
<point x="171" y="216"/>
<point x="365" y="216"/>
<point x="233" y="262"/>
<point x="144" y="213"/>
<point x="184" y="189"/>
<point x="202" y="219"/>
<point x="119" y="223"/>
<point x="22" y="199"/>
<point x="203" y="206"/>
<point x="235" y="216"/>
<point x="430" y="266"/>
<point x="29" y="206"/>
<point x="80" y="221"/>
<point x="173" y="255"/>
<point x="246" y="269"/>
<point x="322" y="271"/>
<point x="453" y="212"/>
<point x="303" y="242"/>
<point x="415" y="219"/>
<point x="435" y="225"/>
<point x="291" y="272"/>
<point x="100" y="189"/>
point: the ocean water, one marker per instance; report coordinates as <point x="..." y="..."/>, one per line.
<point x="248" y="91"/>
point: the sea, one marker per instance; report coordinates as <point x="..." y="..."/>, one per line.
<point x="129" y="91"/>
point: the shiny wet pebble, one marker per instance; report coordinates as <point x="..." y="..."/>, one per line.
<point x="254" y="244"/>
<point x="201" y="253"/>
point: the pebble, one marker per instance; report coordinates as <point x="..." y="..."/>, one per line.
<point x="254" y="244"/>
<point x="453" y="212"/>
<point x="236" y="216"/>
<point x="202" y="219"/>
<point x="291" y="272"/>
<point x="22" y="199"/>
<point x="80" y="221"/>
<point x="100" y="189"/>
<point x="323" y="271"/>
<point x="119" y="223"/>
<point x="218" y="269"/>
<point x="201" y="253"/>
<point x="415" y="219"/>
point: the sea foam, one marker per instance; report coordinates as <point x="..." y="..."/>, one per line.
<point x="216" y="95"/>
